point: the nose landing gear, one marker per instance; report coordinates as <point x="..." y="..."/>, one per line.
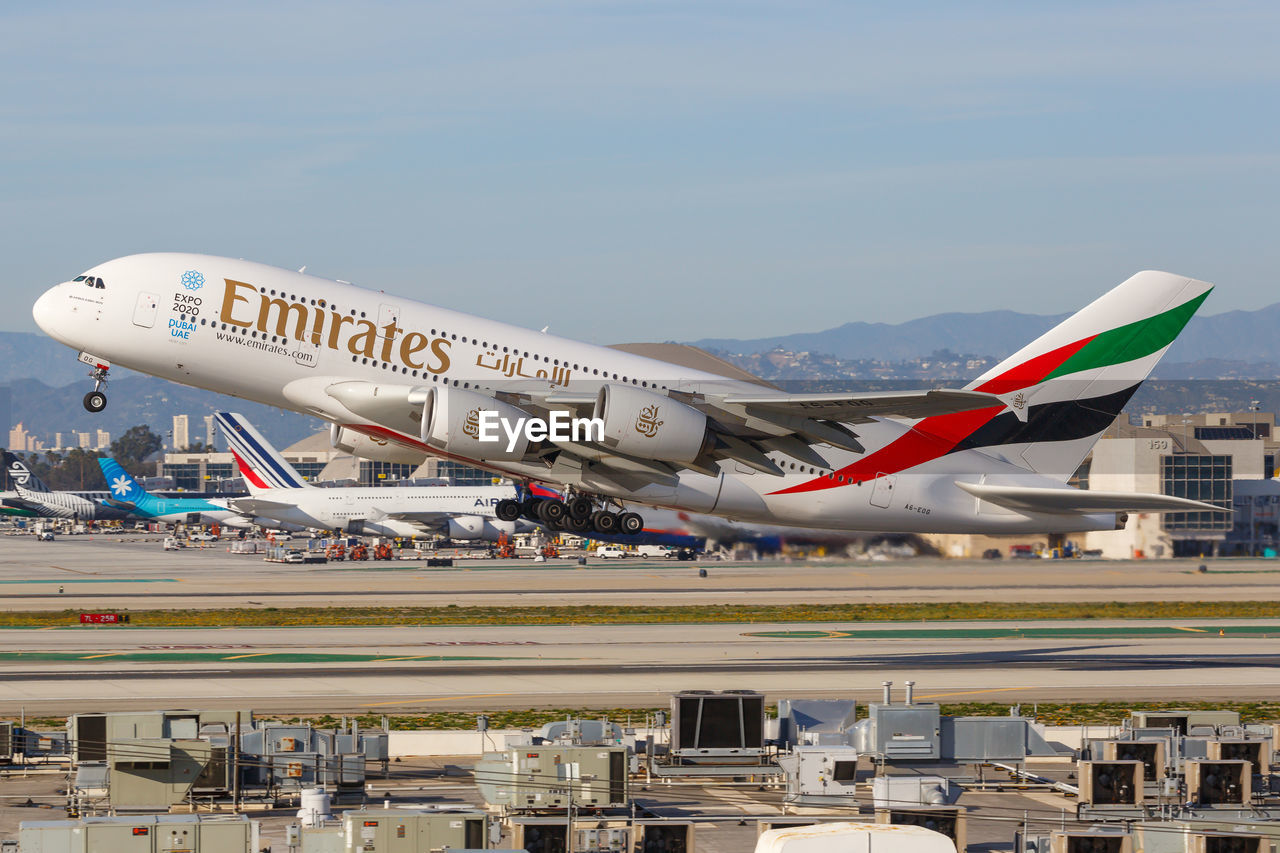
<point x="96" y="400"/>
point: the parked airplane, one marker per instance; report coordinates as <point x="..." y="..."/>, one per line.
<point x="33" y="498"/>
<point x="278" y="491"/>
<point x="127" y="495"/>
<point x="399" y="379"/>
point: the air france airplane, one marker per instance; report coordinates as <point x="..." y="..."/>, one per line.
<point x="279" y="492"/>
<point x="399" y="379"/>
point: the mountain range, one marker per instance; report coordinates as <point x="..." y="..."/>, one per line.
<point x="1247" y="336"/>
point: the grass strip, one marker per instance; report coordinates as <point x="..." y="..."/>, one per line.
<point x="616" y="614"/>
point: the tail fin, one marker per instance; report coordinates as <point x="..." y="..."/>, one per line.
<point x="261" y="465"/>
<point x="21" y="476"/>
<point x="1067" y="386"/>
<point x="122" y="487"/>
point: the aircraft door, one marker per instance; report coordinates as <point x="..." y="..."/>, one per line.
<point x="882" y="490"/>
<point x="144" y="311"/>
<point x="355" y="527"/>
<point x="387" y="315"/>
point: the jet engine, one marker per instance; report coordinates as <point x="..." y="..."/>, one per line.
<point x="647" y="425"/>
<point x="453" y="420"/>
<point x="377" y="449"/>
<point x="475" y="528"/>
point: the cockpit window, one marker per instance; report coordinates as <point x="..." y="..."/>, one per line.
<point x="97" y="282"/>
<point x="80" y="278"/>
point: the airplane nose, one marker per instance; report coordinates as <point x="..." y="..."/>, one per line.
<point x="44" y="310"/>
<point x="47" y="310"/>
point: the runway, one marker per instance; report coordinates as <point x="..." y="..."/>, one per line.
<point x="334" y="669"/>
<point x="344" y="670"/>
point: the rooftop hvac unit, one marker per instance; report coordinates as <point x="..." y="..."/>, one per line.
<point x="948" y="820"/>
<point x="1090" y="841"/>
<point x="717" y="728"/>
<point x="1150" y="752"/>
<point x="89" y="733"/>
<point x="820" y="774"/>
<point x="1182" y="721"/>
<point x="900" y="732"/>
<point x="1256" y="752"/>
<point x="1227" y="842"/>
<point x="663" y="836"/>
<point x="548" y="834"/>
<point x="1110" y="783"/>
<point x="606" y="839"/>
<point x="890" y="792"/>
<point x="551" y="777"/>
<point x="415" y="830"/>
<point x="141" y="834"/>
<point x="1219" y="783"/>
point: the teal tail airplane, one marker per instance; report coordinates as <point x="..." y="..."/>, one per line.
<point x="126" y="494"/>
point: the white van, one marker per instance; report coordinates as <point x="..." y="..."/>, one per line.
<point x="664" y="551"/>
<point x="611" y="552"/>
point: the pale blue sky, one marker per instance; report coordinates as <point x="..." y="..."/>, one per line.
<point x="650" y="170"/>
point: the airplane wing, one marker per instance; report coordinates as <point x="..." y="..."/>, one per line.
<point x="861" y="408"/>
<point x="706" y="422"/>
<point x="1068" y="501"/>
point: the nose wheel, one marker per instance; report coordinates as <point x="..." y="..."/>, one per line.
<point x="96" y="400"/>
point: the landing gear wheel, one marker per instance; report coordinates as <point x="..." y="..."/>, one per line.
<point x="604" y="522"/>
<point x="507" y="510"/>
<point x="557" y="524"/>
<point x="552" y="510"/>
<point x="529" y="509"/>
<point x="578" y="525"/>
<point x="581" y="507"/>
<point x="95" y="401"/>
<point x="630" y="523"/>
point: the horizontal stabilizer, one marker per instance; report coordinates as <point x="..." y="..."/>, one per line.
<point x="258" y="505"/>
<point x="1069" y="501"/>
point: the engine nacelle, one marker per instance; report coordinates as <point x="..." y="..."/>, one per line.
<point x="451" y="422"/>
<point x="648" y="425"/>
<point x="377" y="449"/>
<point x="398" y="407"/>
<point x="474" y="528"/>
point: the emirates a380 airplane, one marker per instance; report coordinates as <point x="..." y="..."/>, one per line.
<point x="399" y="379"/>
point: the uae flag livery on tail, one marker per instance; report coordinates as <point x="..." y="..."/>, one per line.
<point x="1060" y="392"/>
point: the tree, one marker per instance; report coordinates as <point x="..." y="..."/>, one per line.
<point x="132" y="449"/>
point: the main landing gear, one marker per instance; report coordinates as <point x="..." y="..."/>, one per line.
<point x="579" y="514"/>
<point x="96" y="400"/>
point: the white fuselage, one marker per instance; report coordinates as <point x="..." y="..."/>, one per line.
<point x="384" y="510"/>
<point x="281" y="338"/>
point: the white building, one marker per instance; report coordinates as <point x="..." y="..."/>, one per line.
<point x="181" y="432"/>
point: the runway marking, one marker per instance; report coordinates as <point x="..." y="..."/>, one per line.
<point x="107" y="655"/>
<point x="411" y="657"/>
<point x="1196" y="630"/>
<point x="972" y="692"/>
<point x="437" y="699"/>
<point x="250" y="655"/>
<point x="76" y="571"/>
